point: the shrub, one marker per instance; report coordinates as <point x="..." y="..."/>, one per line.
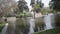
<point x="1" y="25"/>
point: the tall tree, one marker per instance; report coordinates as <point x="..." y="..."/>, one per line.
<point x="37" y="6"/>
<point x="22" y="5"/>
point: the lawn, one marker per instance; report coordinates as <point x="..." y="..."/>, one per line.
<point x="51" y="31"/>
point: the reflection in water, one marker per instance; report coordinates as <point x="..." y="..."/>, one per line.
<point x="39" y="24"/>
<point x="49" y="21"/>
<point x="29" y="25"/>
<point x="11" y="25"/>
<point x="21" y="26"/>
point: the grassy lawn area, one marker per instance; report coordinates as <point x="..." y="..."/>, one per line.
<point x="51" y="31"/>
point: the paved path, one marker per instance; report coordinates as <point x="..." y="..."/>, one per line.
<point x="4" y="29"/>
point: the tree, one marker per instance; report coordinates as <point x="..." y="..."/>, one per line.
<point x="21" y="9"/>
<point x="37" y="5"/>
<point x="22" y="5"/>
<point x="55" y="5"/>
<point x="7" y="6"/>
<point x="36" y="8"/>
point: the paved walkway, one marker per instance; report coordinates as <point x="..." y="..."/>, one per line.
<point x="4" y="29"/>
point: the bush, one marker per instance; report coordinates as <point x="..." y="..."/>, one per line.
<point x="1" y="25"/>
<point x="20" y="23"/>
<point x="2" y="22"/>
<point x="27" y="14"/>
<point x="20" y="15"/>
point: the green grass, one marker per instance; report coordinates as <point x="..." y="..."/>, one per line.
<point x="51" y="31"/>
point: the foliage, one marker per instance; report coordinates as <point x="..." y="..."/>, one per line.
<point x="7" y="6"/>
<point x="39" y="23"/>
<point x="20" y="15"/>
<point x="45" y="11"/>
<point x="37" y="6"/>
<point x="27" y="14"/>
<point x="1" y="25"/>
<point x="20" y="22"/>
<point x="1" y="22"/>
<point x="22" y="6"/>
<point x="22" y="26"/>
<point x="55" y="5"/>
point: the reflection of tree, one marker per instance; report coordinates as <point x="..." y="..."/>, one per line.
<point x="57" y="20"/>
<point x="20" y="27"/>
<point x="39" y="24"/>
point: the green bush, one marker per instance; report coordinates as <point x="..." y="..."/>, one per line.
<point x="2" y="22"/>
<point x="27" y="14"/>
<point x="1" y="25"/>
<point x="20" y="15"/>
<point x="20" y="23"/>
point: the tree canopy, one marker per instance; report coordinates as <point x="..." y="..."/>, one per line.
<point x="37" y="5"/>
<point x="55" y="5"/>
<point x="22" y="5"/>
